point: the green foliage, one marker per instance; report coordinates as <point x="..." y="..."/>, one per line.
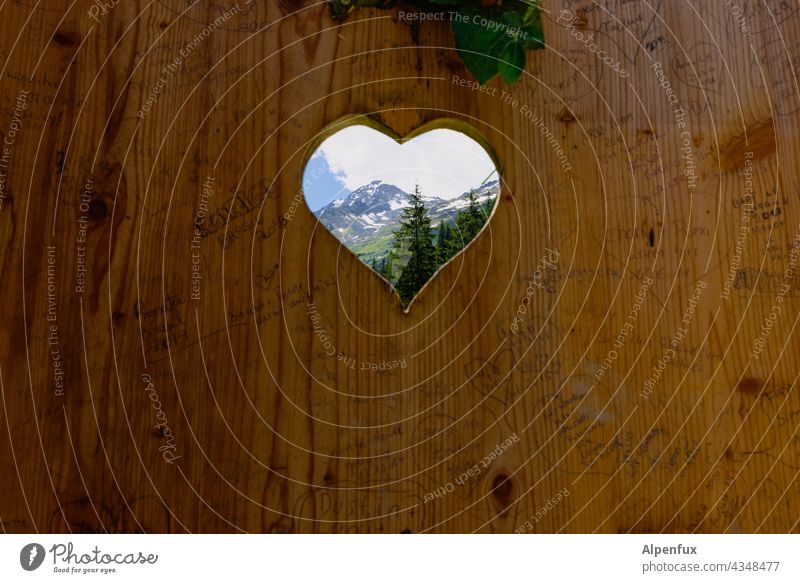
<point x="385" y="266"/>
<point x="488" y="205"/>
<point x="414" y="243"/>
<point x="374" y="248"/>
<point x="491" y="36"/>
<point x="469" y="222"/>
<point x="419" y="250"/>
<point x="494" y="41"/>
<point x="444" y="246"/>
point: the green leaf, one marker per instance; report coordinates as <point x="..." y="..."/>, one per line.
<point x="477" y="45"/>
<point x="512" y="62"/>
<point x="489" y="40"/>
<point x="532" y="25"/>
<point x="513" y="19"/>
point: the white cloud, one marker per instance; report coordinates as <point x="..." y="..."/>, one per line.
<point x="446" y="163"/>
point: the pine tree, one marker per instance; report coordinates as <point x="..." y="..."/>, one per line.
<point x="388" y="268"/>
<point x="488" y="206"/>
<point x="385" y="266"/>
<point x="414" y="241"/>
<point x="474" y="217"/>
<point x="469" y="222"/>
<point x="444" y="235"/>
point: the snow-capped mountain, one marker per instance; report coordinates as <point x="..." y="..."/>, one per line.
<point x="374" y="198"/>
<point x="366" y="218"/>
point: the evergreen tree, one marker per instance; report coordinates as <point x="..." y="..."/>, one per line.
<point x="488" y="206"/>
<point x="388" y="266"/>
<point x="444" y="235"/>
<point x="414" y="241"/>
<point x="473" y="217"/>
<point x="385" y="266"/>
<point x="468" y="223"/>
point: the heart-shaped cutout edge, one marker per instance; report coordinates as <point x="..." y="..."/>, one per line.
<point x="449" y="123"/>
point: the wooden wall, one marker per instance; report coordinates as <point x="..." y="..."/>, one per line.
<point x="649" y="385"/>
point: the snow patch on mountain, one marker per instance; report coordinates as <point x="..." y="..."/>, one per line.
<point x="371" y="213"/>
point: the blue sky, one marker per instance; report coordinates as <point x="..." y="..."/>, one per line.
<point x="320" y="184"/>
<point x="445" y="163"/>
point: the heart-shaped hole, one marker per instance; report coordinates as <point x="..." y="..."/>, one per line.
<point x="404" y="206"/>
